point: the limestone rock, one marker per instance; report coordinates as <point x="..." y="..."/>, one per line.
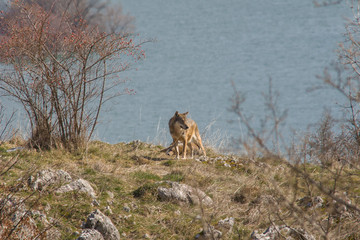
<point x="90" y="234"/>
<point x="209" y="233"/>
<point x="48" y="177"/>
<point x="183" y="193"/>
<point x="80" y="185"/>
<point x="277" y="232"/>
<point x="318" y="202"/>
<point x="98" y="221"/>
<point x="226" y="224"/>
<point x="309" y="202"/>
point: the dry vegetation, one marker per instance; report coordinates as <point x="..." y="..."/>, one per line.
<point x="257" y="193"/>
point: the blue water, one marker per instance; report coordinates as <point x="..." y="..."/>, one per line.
<point x="202" y="46"/>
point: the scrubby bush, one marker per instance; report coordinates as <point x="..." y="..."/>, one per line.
<point x="61" y="68"/>
<point x="320" y="194"/>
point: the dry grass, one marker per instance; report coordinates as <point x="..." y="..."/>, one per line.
<point x="256" y="193"/>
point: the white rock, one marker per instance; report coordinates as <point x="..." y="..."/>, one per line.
<point x="227" y="223"/>
<point x="80" y="185"/>
<point x="273" y="232"/>
<point x="48" y="177"/>
<point x="183" y="193"/>
<point x="90" y="234"/>
<point x="98" y="221"/>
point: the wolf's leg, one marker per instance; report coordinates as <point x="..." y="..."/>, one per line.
<point x="191" y="149"/>
<point x="177" y="150"/>
<point x="184" y="148"/>
<point x="199" y="142"/>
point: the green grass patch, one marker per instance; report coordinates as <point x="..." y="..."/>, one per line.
<point x="145" y="176"/>
<point x="89" y="172"/>
<point x="175" y="176"/>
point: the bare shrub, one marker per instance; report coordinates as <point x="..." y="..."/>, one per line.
<point x="61" y="71"/>
<point x="103" y="13"/>
<point x="318" y="193"/>
<point x="6" y="130"/>
<point x="344" y="77"/>
<point x="266" y="138"/>
<point x="15" y="220"/>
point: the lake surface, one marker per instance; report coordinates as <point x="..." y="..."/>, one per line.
<point x="202" y="46"/>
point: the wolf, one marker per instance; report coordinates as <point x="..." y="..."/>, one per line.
<point x="185" y="130"/>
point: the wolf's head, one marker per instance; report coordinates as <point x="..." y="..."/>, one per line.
<point x="181" y="119"/>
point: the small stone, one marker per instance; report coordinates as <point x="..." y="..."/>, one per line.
<point x="273" y="232"/>
<point x="227" y="223"/>
<point x="211" y="233"/>
<point x="108" y="210"/>
<point x="183" y="193"/>
<point x="134" y="206"/>
<point x="111" y="194"/>
<point x="227" y="165"/>
<point x="126" y="208"/>
<point x="47" y="207"/>
<point x="318" y="202"/>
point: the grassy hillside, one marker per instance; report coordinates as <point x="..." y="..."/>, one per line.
<point x="257" y="192"/>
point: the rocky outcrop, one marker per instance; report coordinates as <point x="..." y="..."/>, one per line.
<point x="183" y="193"/>
<point x="277" y="232"/>
<point x="79" y="185"/>
<point x="45" y="178"/>
<point x="102" y="224"/>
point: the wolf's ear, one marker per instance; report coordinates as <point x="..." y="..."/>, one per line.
<point x="186" y="113"/>
<point x="176" y="113"/>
